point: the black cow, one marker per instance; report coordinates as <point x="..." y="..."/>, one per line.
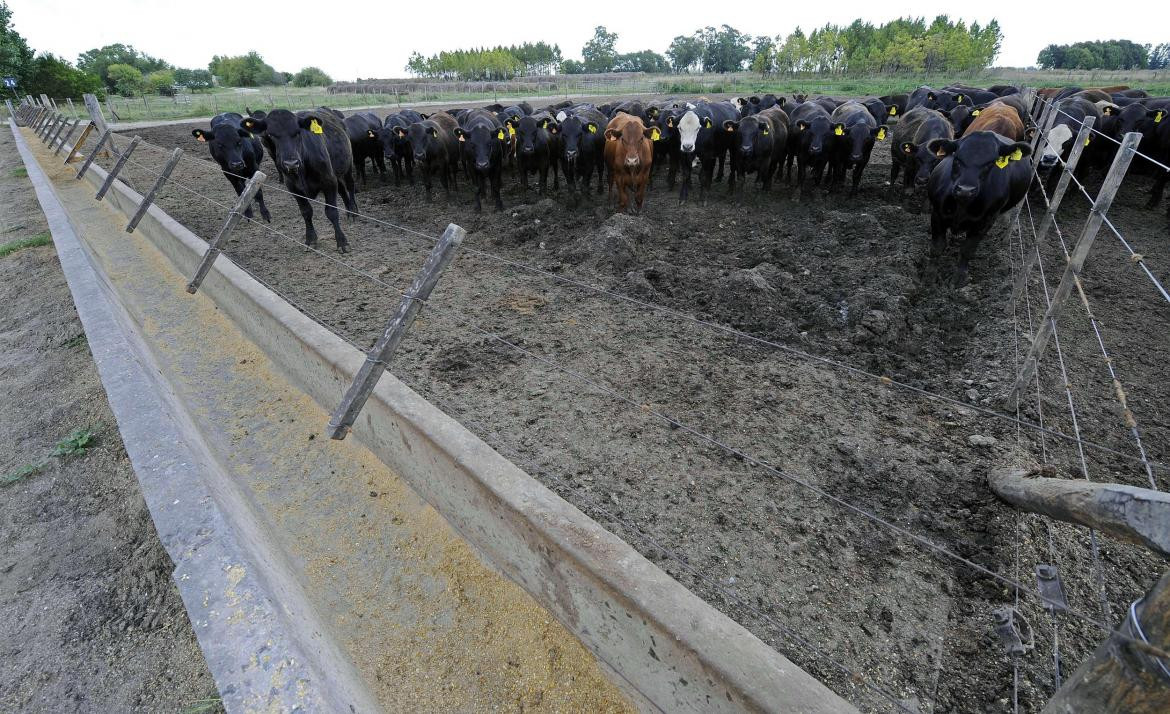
<point x="537" y="150"/>
<point x="914" y="151"/>
<point x="363" y="130"/>
<point x="761" y="141"/>
<point x="895" y="105"/>
<point x="582" y="147"/>
<point x="981" y="176"/>
<point x="483" y="139"/>
<point x="856" y="130"/>
<point x="238" y="153"/>
<point x="710" y="142"/>
<point x="315" y="152"/>
<point x="395" y="145"/>
<point x="268" y="145"/>
<point x="435" y="149"/>
<point x="940" y="99"/>
<point x="877" y="108"/>
<point x="811" y="140"/>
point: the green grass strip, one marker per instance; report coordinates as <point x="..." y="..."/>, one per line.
<point x="38" y="240"/>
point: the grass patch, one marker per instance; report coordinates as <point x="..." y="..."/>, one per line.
<point x="21" y="473"/>
<point x="77" y="443"/>
<point x="75" y="341"/>
<point x="20" y="172"/>
<point x="203" y="706"/>
<point x="36" y="241"/>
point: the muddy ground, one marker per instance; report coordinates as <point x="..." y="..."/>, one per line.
<point x="90" y="619"/>
<point x="857" y="604"/>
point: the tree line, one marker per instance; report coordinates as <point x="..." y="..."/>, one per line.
<point x="902" y="45"/>
<point x="121" y="69"/>
<point x="1107" y="54"/>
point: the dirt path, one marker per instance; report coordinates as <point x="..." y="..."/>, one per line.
<point x="90" y="619"/>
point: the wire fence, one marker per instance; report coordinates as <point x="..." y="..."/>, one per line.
<point x="851" y="509"/>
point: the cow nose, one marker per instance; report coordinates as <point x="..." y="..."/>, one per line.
<point x="632" y="161"/>
<point x="419" y="156"/>
<point x="855" y="157"/>
<point x="1047" y="161"/>
<point x="570" y="154"/>
<point x="962" y="191"/>
<point x="814" y="149"/>
<point x="745" y="150"/>
<point x="528" y="149"/>
<point x="292" y="165"/>
<point x="688" y="148"/>
<point x="482" y="165"/>
<point x="921" y="180"/>
<point x="237" y="166"/>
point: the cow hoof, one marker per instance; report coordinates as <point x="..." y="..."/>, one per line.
<point x="342" y="247"/>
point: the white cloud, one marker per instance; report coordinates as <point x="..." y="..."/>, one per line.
<point x="374" y="39"/>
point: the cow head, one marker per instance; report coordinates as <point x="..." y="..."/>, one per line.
<point x="816" y="136"/>
<point x="1056" y="144"/>
<point x="482" y="144"/>
<point x="423" y="137"/>
<point x="632" y="138"/>
<point x="289" y="133"/>
<point x="974" y="158"/>
<point x="1134" y="117"/>
<point x="859" y="138"/>
<point x="689" y="125"/>
<point x="531" y="134"/>
<point x="753" y="134"/>
<point x="923" y="159"/>
<point x="227" y="143"/>
<point x="962" y="116"/>
<point x="943" y="100"/>
<point x="573" y="131"/>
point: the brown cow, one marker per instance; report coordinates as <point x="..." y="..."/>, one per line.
<point x="1000" y="118"/>
<point x="629" y="154"/>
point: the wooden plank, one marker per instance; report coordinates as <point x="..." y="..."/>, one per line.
<point x="67" y="137"/>
<point x="383" y="350"/>
<point x="80" y="143"/>
<point x="1129" y="513"/>
<point x="158" y="184"/>
<point x="1076" y="261"/>
<point x="213" y="248"/>
<point x="57" y="134"/>
<point x="93" y="154"/>
<point x="113" y="174"/>
<point x="94" y="108"/>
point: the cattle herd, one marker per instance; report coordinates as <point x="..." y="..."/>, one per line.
<point x="963" y="147"/>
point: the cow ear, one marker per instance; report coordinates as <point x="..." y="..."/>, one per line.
<point x="199" y="134"/>
<point x="1016" y="151"/>
<point x="460" y="133"/>
<point x="244" y="133"/>
<point x="780" y="101"/>
<point x="1030" y="132"/>
<point x="670" y="122"/>
<point x="880" y="132"/>
<point x="652" y="133"/>
<point x="424" y="116"/>
<point x="613" y="134"/>
<point x="652" y="112"/>
<point x="801" y="125"/>
<point x="754" y="100"/>
<point x="908" y="147"/>
<point x="930" y="95"/>
<point x="740" y="101"/>
<point x="552" y="126"/>
<point x="591" y="127"/>
<point x="308" y="122"/>
<point x="432" y="131"/>
<point x="254" y="125"/>
<point x="1109" y="110"/>
<point x="401" y="132"/>
<point x="1157" y="115"/>
<point x="942" y="147"/>
<point x="730" y="125"/>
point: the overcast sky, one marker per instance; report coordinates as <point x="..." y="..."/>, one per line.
<point x="374" y="38"/>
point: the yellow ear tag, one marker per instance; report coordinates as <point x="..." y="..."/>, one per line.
<point x="839" y="131"/>
<point x="882" y="134"/>
<point x="315" y="127"/>
<point x="1016" y="155"/>
<point x="592" y="129"/>
<point x="1002" y="162"/>
<point x="500" y="134"/>
<point x="655" y="135"/>
<point x="893" y="111"/>
<point x="765" y="131"/>
<point x="1158" y="116"/>
<point x="511" y="130"/>
<point x="1090" y="136"/>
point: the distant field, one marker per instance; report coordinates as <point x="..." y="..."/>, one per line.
<point x="189" y="106"/>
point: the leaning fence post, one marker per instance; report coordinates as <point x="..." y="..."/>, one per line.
<point x="51" y="126"/>
<point x="80" y="143"/>
<point x="233" y="218"/>
<point x="162" y="179"/>
<point x="122" y="159"/>
<point x="1076" y="259"/>
<point x="93" y="154"/>
<point x="63" y="138"/>
<point x="95" y="115"/>
<point x="379" y="355"/>
<point x="1054" y="202"/>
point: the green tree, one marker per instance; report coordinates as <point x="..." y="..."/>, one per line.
<point x="126" y="79"/>
<point x="248" y="70"/>
<point x="16" y="57"/>
<point x="161" y="82"/>
<point x="193" y="79"/>
<point x="57" y="78"/>
<point x="725" y="49"/>
<point x="599" y="53"/>
<point x="98" y="61"/>
<point x="685" y="53"/>
<point x="1160" y="56"/>
<point x="311" y="77"/>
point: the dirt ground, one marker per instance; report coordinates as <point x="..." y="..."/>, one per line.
<point x="90" y="619"/>
<point x="853" y="602"/>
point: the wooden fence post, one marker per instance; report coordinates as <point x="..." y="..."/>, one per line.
<point x="113" y="174"/>
<point x="95" y="115"/>
<point x="1049" y="219"/>
<point x="93" y="154"/>
<point x="80" y="143"/>
<point x="68" y="135"/>
<point x="1124" y="674"/>
<point x="1077" y="258"/>
<point x="233" y="218"/>
<point x="50" y="127"/>
<point x="383" y="350"/>
<point x="162" y="179"/>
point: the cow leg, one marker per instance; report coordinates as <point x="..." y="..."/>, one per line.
<point x="396" y="165"/>
<point x="334" y="216"/>
<point x="426" y="177"/>
<point x="719" y="175"/>
<point x="856" y="179"/>
<point x="307" y="214"/>
<point x="381" y="164"/>
<point x="497" y="179"/>
<point x="408" y="161"/>
<point x="542" y="182"/>
<point x="894" y="168"/>
<point x="445" y="178"/>
<point x="966" y="252"/>
<point x="523" y="178"/>
<point x="640" y="189"/>
<point x="938" y="242"/>
<point x="556" y="179"/>
<point x="349" y="195"/>
<point x="479" y="181"/>
<point x="600" y="175"/>
<point x="238" y="186"/>
<point x="1158" y="188"/>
